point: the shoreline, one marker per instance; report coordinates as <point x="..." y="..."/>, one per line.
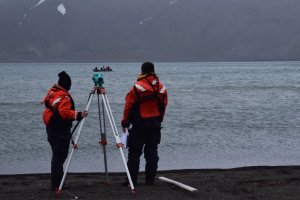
<point x="256" y="182"/>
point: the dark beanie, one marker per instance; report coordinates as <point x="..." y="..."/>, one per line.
<point x="64" y="80"/>
<point x="147" y="68"/>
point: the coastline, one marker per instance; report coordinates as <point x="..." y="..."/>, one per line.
<point x="257" y="182"/>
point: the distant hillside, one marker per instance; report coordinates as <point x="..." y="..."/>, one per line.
<point x="156" y="30"/>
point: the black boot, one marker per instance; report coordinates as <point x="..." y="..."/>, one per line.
<point x="149" y="180"/>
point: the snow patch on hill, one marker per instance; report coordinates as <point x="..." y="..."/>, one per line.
<point x="36" y="5"/>
<point x="61" y="8"/>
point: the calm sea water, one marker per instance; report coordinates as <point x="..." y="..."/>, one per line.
<point x="220" y="115"/>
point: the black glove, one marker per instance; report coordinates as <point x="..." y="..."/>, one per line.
<point x="79" y="116"/>
<point x="125" y="124"/>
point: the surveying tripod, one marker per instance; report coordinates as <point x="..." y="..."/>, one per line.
<point x="98" y="80"/>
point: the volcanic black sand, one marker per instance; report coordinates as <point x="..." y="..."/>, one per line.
<point x="239" y="183"/>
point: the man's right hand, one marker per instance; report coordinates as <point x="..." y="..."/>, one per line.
<point x="125" y="124"/>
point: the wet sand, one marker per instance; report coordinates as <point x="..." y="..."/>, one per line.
<point x="214" y="184"/>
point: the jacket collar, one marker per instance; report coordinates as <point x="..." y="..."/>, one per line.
<point x="143" y="76"/>
<point x="61" y="88"/>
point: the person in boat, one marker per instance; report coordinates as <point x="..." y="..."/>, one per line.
<point x="96" y="68"/>
<point x="144" y="109"/>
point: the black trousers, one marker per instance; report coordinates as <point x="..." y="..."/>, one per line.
<point x="143" y="140"/>
<point x="60" y="148"/>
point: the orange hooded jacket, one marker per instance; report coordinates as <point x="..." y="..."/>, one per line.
<point x="59" y="99"/>
<point x="146" y="86"/>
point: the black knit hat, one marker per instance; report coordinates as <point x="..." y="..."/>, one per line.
<point x="147" y="68"/>
<point x="64" y="80"/>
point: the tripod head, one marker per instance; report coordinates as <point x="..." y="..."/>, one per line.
<point x="98" y="79"/>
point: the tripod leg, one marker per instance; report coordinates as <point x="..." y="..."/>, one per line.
<point x="113" y="120"/>
<point x="118" y="140"/>
<point x="75" y="142"/>
<point x="105" y="164"/>
<point x="103" y="141"/>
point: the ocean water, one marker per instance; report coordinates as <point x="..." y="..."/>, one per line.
<point x="220" y="115"/>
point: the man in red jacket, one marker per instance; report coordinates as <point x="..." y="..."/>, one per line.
<point x="144" y="109"/>
<point x="58" y="116"/>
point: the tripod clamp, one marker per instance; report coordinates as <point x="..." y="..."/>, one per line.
<point x="100" y="89"/>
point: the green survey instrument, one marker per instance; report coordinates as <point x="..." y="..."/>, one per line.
<point x="98" y="79"/>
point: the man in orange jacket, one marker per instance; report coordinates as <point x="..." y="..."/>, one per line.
<point x="58" y="116"/>
<point x="144" y="109"/>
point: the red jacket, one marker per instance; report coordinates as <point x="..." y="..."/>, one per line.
<point x="59" y="99"/>
<point x="150" y="108"/>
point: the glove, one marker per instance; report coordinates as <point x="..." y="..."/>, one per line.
<point x="125" y="124"/>
<point x="81" y="115"/>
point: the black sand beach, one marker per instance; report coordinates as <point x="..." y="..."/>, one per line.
<point x="215" y="184"/>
